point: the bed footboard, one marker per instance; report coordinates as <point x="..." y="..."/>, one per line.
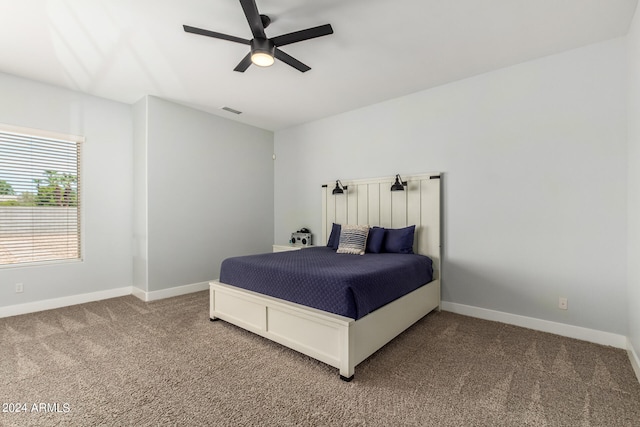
<point x="338" y="341"/>
<point x="321" y="335"/>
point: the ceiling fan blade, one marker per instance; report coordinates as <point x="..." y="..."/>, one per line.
<point x="244" y="64"/>
<point x="290" y="60"/>
<point x="298" y="36"/>
<point x="253" y="18"/>
<point x="213" y="34"/>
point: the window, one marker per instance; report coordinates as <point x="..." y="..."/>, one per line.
<point x="40" y="196"/>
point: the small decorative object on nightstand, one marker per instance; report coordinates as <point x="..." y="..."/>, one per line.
<point x="301" y="237"/>
<point x="299" y="240"/>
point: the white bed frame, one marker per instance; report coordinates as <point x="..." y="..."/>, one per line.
<point x="340" y="341"/>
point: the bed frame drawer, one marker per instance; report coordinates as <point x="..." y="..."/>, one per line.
<point x="240" y="311"/>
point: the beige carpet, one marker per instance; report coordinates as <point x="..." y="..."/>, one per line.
<point x="125" y="362"/>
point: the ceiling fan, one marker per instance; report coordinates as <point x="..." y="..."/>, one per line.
<point x="263" y="49"/>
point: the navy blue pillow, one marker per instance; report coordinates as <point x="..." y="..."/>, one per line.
<point x="399" y="240"/>
<point x="375" y="240"/>
<point x="334" y="237"/>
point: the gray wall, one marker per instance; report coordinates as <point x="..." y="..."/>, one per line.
<point x="140" y="196"/>
<point x="535" y="180"/>
<point x="209" y="188"/>
<point x="633" y="256"/>
<point x="155" y="211"/>
<point x="106" y="189"/>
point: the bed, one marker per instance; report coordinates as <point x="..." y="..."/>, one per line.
<point x="343" y="334"/>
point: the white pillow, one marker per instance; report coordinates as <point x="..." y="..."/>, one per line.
<point x="353" y="239"/>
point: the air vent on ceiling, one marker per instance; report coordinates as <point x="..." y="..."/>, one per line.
<point x="231" y="110"/>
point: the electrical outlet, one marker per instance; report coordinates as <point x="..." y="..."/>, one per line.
<point x="563" y="303"/>
<point x="19" y="288"/>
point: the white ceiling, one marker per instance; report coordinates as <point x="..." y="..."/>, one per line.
<point x="380" y="49"/>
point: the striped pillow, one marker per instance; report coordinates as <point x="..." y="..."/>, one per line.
<point x="353" y="239"/>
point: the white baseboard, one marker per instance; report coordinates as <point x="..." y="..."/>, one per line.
<point x="633" y="357"/>
<point x="577" y="332"/>
<point x="49" y="304"/>
<point x="171" y="292"/>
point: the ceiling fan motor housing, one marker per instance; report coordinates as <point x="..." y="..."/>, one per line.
<point x="262" y="52"/>
<point x="263" y="45"/>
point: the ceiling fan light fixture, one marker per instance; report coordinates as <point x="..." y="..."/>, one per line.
<point x="262" y="59"/>
<point x="262" y="52"/>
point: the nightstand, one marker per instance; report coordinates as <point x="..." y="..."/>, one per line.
<point x="283" y="248"/>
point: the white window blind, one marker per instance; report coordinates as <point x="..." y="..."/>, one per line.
<point x="40" y="197"/>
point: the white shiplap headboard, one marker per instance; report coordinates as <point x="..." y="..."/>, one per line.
<point x="371" y="202"/>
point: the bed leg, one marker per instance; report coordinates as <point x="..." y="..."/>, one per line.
<point x="346" y="379"/>
<point x="213" y="319"/>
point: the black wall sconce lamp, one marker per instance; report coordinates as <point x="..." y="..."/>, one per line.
<point x="339" y="188"/>
<point x="399" y="184"/>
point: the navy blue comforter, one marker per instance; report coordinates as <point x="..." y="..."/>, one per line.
<point x="349" y="285"/>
